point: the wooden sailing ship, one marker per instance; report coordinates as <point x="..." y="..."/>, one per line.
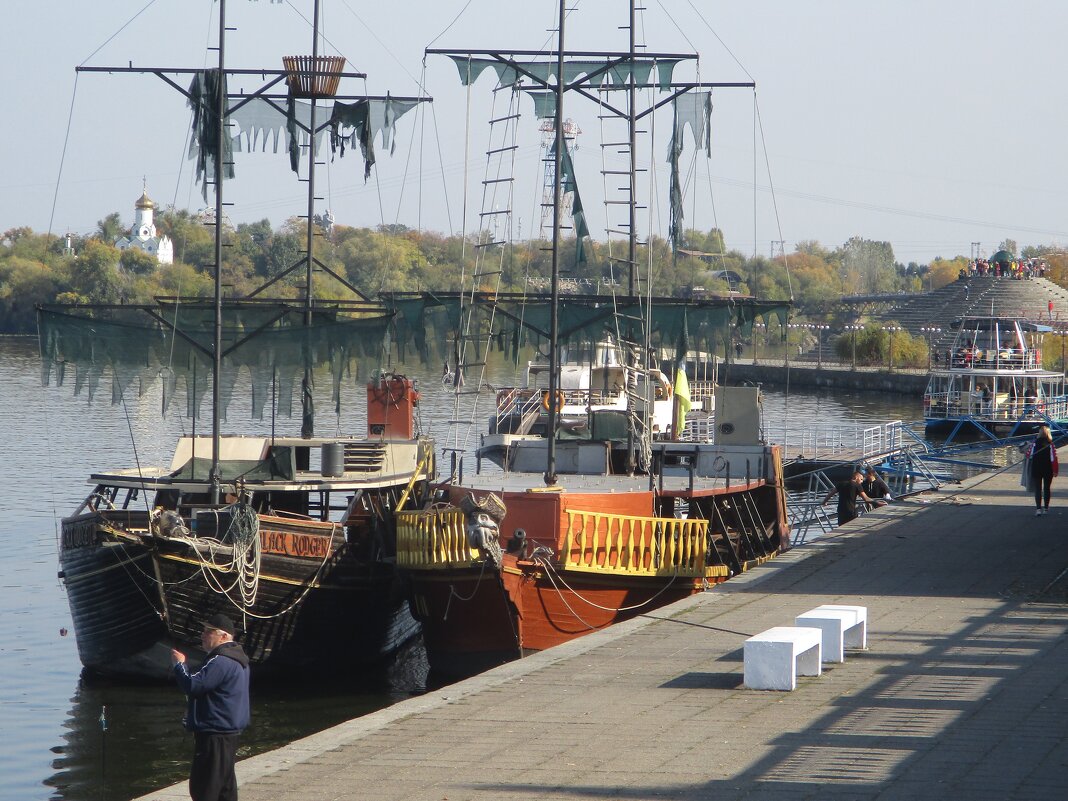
<point x="581" y="531"/>
<point x="291" y="535"/>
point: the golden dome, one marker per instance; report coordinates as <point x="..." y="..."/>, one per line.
<point x="144" y="202"/>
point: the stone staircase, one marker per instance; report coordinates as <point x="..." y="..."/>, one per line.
<point x="973" y="296"/>
<point x="979" y="296"/>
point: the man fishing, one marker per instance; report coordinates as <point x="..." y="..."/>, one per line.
<point x="218" y="709"/>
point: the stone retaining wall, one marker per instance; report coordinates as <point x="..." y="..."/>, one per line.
<point x="775" y="375"/>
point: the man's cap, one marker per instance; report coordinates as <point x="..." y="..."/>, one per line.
<point x="220" y="622"/>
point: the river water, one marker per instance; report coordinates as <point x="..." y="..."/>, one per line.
<point x="65" y="737"/>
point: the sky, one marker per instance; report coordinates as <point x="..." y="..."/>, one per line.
<point x="938" y="127"/>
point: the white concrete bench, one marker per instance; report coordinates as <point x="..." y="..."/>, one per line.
<point x="842" y="626"/>
<point x="776" y="657"/>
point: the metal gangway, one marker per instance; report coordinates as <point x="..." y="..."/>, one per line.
<point x="855" y="441"/>
<point x="893" y="448"/>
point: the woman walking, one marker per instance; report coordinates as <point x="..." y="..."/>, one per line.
<point x="1043" y="468"/>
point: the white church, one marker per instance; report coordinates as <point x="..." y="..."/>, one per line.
<point x="143" y="233"/>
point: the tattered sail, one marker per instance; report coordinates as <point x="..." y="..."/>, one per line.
<point x="569" y="183"/>
<point x="260" y="123"/>
<point x="204" y="94"/>
<point x="366" y="118"/>
<point x="614" y="71"/>
<point x="692" y="110"/>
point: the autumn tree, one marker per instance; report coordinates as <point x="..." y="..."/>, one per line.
<point x="1009" y="246"/>
<point x="945" y="271"/>
<point x="136" y="262"/>
<point x="23" y="284"/>
<point x="94" y="275"/>
<point x="872" y="263"/>
<point x="110" y="228"/>
<point x="376" y="262"/>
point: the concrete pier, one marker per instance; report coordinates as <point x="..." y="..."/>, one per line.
<point x="805" y="374"/>
<point x="962" y="693"/>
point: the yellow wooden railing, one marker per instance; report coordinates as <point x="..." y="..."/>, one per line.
<point x="635" y="546"/>
<point x="435" y="539"/>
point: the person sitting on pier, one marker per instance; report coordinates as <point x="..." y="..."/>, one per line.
<point x="848" y="492"/>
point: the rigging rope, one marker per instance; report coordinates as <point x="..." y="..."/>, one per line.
<point x="551" y="571"/>
<point x="245" y="562"/>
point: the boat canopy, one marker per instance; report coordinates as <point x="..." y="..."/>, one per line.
<point x="991" y="323"/>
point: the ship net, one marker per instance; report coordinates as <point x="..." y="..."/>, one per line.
<point x="428" y="322"/>
<point x="173" y="344"/>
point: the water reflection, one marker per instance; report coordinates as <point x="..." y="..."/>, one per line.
<point x="143" y="747"/>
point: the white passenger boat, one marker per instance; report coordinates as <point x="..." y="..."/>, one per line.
<point x="993" y="378"/>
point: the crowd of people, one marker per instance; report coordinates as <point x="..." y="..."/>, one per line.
<point x="1017" y="268"/>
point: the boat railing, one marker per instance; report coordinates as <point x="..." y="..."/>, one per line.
<point x="953" y="405"/>
<point x="434" y="539"/>
<point x="993" y="359"/>
<point x="839" y="441"/>
<point x="523" y="401"/>
<point x="97" y="513"/>
<point x="698" y="428"/>
<point x="699" y="390"/>
<point x="596" y="542"/>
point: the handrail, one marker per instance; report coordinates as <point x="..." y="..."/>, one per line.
<point x="433" y="539"/>
<point x="596" y="542"/>
<point x="853" y="440"/>
<point x="955" y="405"/>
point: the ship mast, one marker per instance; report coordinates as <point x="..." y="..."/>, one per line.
<point x="554" y="283"/>
<point x="307" y="417"/>
<point x="215" y="474"/>
<point x="632" y="239"/>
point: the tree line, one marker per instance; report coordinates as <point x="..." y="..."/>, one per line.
<point x="41" y="268"/>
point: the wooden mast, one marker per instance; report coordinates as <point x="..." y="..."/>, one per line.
<point x="307" y="408"/>
<point x="554" y="314"/>
<point x="216" y="363"/>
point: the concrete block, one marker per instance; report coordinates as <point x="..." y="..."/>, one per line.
<point x="776" y="657"/>
<point x="856" y="635"/>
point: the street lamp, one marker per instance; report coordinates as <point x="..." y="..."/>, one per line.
<point x="853" y="328"/>
<point x="930" y="334"/>
<point x="890" y="353"/>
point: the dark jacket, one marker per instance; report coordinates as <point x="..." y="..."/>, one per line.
<point x="1043" y="457"/>
<point x="218" y="692"/>
<point x="875" y="487"/>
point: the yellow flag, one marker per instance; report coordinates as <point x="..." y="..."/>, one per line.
<point x="682" y="391"/>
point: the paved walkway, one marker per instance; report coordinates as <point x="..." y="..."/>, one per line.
<point x="963" y="692"/>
